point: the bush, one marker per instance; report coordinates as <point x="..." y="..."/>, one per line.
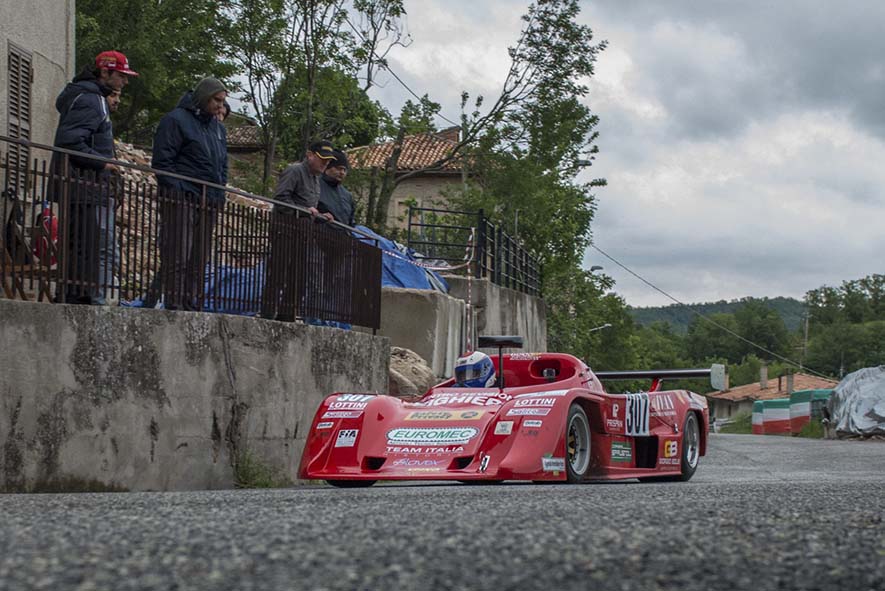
<point x="813" y="430"/>
<point x="250" y="472"/>
<point x="742" y="423"/>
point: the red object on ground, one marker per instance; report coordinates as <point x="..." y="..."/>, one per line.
<point x="49" y="222"/>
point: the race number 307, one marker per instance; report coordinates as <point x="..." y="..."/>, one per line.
<point x="637" y="414"/>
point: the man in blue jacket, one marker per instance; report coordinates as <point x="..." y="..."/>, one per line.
<point x="190" y="141"/>
<point x="84" y="126"/>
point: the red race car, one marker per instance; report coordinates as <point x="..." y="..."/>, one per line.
<point x="548" y="419"/>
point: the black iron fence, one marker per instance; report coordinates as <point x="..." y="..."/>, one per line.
<point x="443" y="235"/>
<point x="78" y="236"/>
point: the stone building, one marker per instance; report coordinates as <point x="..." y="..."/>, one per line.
<point x="424" y="189"/>
<point x="37" y="38"/>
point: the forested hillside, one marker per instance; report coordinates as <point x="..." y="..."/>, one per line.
<point x="679" y="316"/>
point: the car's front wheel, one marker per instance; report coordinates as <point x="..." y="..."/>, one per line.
<point x="577" y="444"/>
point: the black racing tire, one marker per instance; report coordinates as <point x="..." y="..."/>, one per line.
<point x="577" y="444"/>
<point x="691" y="451"/>
<point x="351" y="483"/>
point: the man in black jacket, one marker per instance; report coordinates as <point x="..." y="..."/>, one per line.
<point x="85" y="126"/>
<point x="190" y="141"/>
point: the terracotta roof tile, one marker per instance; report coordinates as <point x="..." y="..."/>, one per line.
<point x="244" y="136"/>
<point x="753" y="391"/>
<point x="419" y="151"/>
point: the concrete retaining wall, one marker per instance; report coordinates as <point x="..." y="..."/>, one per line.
<point x="434" y="325"/>
<point x="502" y="311"/>
<point x="156" y="400"/>
<point x="429" y="323"/>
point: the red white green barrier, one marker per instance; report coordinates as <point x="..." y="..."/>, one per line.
<point x="776" y="416"/>
<point x="758" y="427"/>
<point x="803" y="405"/>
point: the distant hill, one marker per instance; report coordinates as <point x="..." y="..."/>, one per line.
<point x="680" y="316"/>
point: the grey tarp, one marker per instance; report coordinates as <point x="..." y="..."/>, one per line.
<point x="857" y="406"/>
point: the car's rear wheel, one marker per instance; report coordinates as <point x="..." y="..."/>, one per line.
<point x="577" y="444"/>
<point x="691" y="446"/>
<point x="351" y="483"/>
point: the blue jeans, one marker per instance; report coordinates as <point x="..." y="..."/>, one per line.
<point x="93" y="255"/>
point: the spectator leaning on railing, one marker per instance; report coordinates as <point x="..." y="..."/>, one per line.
<point x="299" y="185"/>
<point x="85" y="126"/>
<point x="190" y="141"/>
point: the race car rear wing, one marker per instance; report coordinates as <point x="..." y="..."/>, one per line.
<point x="716" y="372"/>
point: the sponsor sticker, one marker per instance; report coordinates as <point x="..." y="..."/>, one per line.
<point x="671" y="448"/>
<point x="342" y="414"/>
<point x="535" y="402"/>
<point x="621" y="451"/>
<point x="637" y="413"/>
<point x="346" y="437"/>
<point x="550" y="393"/>
<point x="662" y="405"/>
<point x="475" y="399"/>
<point x="410" y="463"/>
<point x="553" y="464"/>
<point x="532" y="423"/>
<point x="444" y="415"/>
<point x="614" y="425"/>
<point x="524" y="356"/>
<point x="484" y="463"/>
<point x="528" y="412"/>
<point x="324" y="425"/>
<point x="400" y="450"/>
<point x="504" y="428"/>
<point x="431" y="435"/>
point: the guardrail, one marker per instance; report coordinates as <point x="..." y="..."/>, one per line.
<point x="76" y="236"/>
<point x="442" y="235"/>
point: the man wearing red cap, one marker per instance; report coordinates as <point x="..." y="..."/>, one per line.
<point x="84" y="126"/>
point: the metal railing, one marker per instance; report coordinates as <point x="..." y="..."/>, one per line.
<point x="442" y="235"/>
<point x="74" y="235"/>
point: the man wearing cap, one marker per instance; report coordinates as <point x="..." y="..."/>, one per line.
<point x="190" y="141"/>
<point x="84" y="126"/>
<point x="299" y="185"/>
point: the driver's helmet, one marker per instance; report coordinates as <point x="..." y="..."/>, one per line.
<point x="474" y="370"/>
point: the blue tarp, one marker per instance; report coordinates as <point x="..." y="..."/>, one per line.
<point x="400" y="268"/>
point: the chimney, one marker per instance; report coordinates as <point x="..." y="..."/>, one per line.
<point x="453" y="134"/>
<point x="790" y="383"/>
<point x="763" y="377"/>
<point x="727" y="385"/>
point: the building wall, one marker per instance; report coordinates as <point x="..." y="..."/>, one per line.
<point x="425" y="190"/>
<point x="46" y="29"/>
<point x="160" y="400"/>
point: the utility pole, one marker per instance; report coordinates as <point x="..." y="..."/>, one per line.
<point x="805" y="341"/>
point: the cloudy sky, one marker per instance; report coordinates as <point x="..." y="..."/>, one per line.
<point x="743" y="142"/>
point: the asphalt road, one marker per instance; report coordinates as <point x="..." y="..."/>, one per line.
<point x="761" y="513"/>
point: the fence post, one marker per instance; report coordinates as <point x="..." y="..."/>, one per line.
<point x="64" y="211"/>
<point x="480" y="252"/>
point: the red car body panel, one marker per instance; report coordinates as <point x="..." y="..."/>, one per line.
<point x="516" y="433"/>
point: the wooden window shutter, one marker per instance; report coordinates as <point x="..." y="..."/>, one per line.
<point x="21" y="77"/>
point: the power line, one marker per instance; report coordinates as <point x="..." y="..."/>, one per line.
<point x="710" y="320"/>
<point x="383" y="63"/>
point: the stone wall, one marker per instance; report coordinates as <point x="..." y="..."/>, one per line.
<point x="158" y="400"/>
<point x="46" y="29"/>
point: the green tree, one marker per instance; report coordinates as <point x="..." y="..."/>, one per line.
<point x="172" y="45"/>
<point x="760" y="324"/>
<point x="706" y="340"/>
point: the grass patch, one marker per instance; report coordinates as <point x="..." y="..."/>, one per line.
<point x="741" y="424"/>
<point x="812" y="429"/>
<point x="250" y="472"/>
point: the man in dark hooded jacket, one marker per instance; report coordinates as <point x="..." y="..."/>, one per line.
<point x="84" y="126"/>
<point x="190" y="141"/>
